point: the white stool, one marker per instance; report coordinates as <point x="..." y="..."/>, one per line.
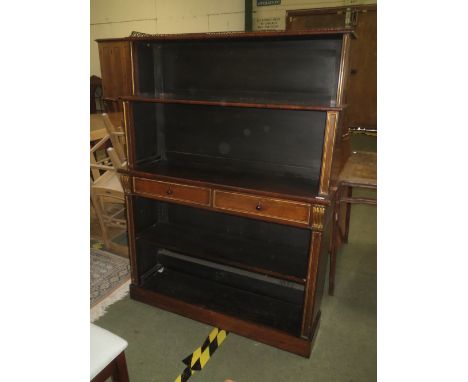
<point x="107" y="356"/>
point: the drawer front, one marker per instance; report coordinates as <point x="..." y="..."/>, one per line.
<point x="172" y="191"/>
<point x="260" y="206"/>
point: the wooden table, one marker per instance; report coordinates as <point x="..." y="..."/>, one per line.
<point x="98" y="128"/>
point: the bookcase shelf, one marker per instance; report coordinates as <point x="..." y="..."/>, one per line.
<point x="272" y="184"/>
<point x="228" y="293"/>
<point x="271" y="101"/>
<point x="257" y="256"/>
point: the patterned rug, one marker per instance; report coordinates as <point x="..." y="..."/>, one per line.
<point x="109" y="274"/>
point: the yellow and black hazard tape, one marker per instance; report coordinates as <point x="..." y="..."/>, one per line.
<point x="198" y="359"/>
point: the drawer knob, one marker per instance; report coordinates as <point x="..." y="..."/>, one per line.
<point x="259" y="206"/>
<point x="169" y="191"/>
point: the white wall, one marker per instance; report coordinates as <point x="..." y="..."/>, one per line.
<point x="118" y="18"/>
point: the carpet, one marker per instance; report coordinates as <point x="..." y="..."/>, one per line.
<point x="110" y="279"/>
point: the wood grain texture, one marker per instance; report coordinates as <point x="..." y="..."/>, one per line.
<point x="172" y="191"/>
<point x="200" y="183"/>
<point x="360" y="170"/>
<point x="129" y="134"/>
<point x="314" y="257"/>
<point x="309" y="214"/>
<point x="362" y="88"/>
<point x="327" y="156"/>
<point x="277" y="209"/>
<point x="234" y="35"/>
<point x="132" y="252"/>
<point x="244" y="328"/>
<point x="265" y="105"/>
<point x="116" y="70"/>
<point x="291" y="194"/>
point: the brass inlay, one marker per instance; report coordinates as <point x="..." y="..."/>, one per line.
<point x="126" y="131"/>
<point x="329" y="141"/>
<point x="132" y="68"/>
<point x="317" y="217"/>
<point x="310" y="284"/>
<point x="126" y="185"/>
<point x="344" y="62"/>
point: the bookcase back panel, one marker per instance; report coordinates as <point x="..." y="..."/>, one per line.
<point x="220" y="237"/>
<point x="227" y="291"/>
<point x="280" y="70"/>
<point x="232" y="139"/>
<point x="146" y="131"/>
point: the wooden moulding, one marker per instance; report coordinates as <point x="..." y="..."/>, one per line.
<point x="233" y="35"/>
<point x="344" y="70"/>
<point x="310" y="288"/>
<point x="129" y="134"/>
<point x="133" y="66"/>
<point x="292" y="196"/>
<point x="282" y="211"/>
<point x="241" y="327"/>
<point x="131" y="239"/>
<point x="341" y="142"/>
<point x="318" y="213"/>
<point x="270" y="105"/>
<point x="327" y="156"/>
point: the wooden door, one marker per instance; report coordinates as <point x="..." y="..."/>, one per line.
<point x="362" y="87"/>
<point x="115" y="60"/>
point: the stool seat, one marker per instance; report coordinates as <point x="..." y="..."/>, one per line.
<point x="360" y="170"/>
<point x="105" y="347"/>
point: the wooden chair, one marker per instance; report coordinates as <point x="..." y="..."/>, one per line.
<point x="107" y="356"/>
<point x="107" y="195"/>
<point x="360" y="170"/>
<point x="114" y="128"/>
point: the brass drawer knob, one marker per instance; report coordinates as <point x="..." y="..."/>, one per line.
<point x="169" y="191"/>
<point x="259" y="206"/>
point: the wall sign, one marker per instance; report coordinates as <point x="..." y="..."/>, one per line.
<point x="261" y="3"/>
<point x="268" y="23"/>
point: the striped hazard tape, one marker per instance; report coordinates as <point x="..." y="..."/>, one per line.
<point x="199" y="358"/>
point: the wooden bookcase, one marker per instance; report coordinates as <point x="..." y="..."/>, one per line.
<point x="234" y="140"/>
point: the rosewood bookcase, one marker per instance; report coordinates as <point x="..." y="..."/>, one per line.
<point x="234" y="142"/>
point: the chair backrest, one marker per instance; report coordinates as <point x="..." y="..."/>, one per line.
<point x="116" y="162"/>
<point x="100" y="163"/>
<point x="117" y="137"/>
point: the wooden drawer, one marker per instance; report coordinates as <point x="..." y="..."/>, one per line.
<point x="172" y="191"/>
<point x="262" y="206"/>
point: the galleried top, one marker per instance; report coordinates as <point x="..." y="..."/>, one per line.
<point x="138" y="36"/>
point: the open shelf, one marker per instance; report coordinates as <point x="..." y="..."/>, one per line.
<point x="260" y="247"/>
<point x="228" y="293"/>
<point x="276" y="151"/>
<point x="297" y="72"/>
<point x="224" y="174"/>
<point x="285" y="262"/>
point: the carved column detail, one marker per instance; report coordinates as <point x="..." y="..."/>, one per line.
<point x="318" y="213"/>
<point x="126" y="183"/>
